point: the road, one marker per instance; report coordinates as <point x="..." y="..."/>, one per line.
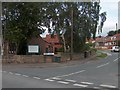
<point x="97" y="74"/>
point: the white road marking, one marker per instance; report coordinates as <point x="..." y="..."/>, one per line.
<point x="49" y="80"/>
<point x="36" y="77"/>
<point x="70" y="80"/>
<point x="10" y="73"/>
<point x="71" y="73"/>
<point x="87" y="83"/>
<point x="116" y="60"/>
<point x="102" y="65"/>
<point x="25" y="76"/>
<point x="107" y="86"/>
<point x="96" y="87"/>
<point x="4" y="71"/>
<point x="80" y="85"/>
<point x="56" y="78"/>
<point x="17" y="74"/>
<point x="63" y="82"/>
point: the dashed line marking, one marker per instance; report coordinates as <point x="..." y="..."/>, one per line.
<point x="25" y="76"/>
<point x="102" y="65"/>
<point x="36" y="77"/>
<point x="4" y="71"/>
<point x="107" y="86"/>
<point x="80" y="85"/>
<point x="116" y="60"/>
<point x="49" y="80"/>
<point x="72" y="73"/>
<point x="70" y="80"/>
<point x="56" y="78"/>
<point x="63" y="82"/>
<point x="87" y="83"/>
<point x="17" y="74"/>
<point x="10" y="73"/>
<point x="96" y="87"/>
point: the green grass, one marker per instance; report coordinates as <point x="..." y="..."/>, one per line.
<point x="102" y="55"/>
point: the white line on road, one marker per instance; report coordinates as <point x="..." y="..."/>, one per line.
<point x="87" y="83"/>
<point x="36" y="77"/>
<point x="116" y="59"/>
<point x="17" y="74"/>
<point x="25" y="76"/>
<point x="102" y="65"/>
<point x="49" y="80"/>
<point x="56" y="78"/>
<point x="80" y="85"/>
<point x="10" y="73"/>
<point x="71" y="73"/>
<point x="63" y="82"/>
<point x="70" y="80"/>
<point x="4" y="71"/>
<point x="108" y="86"/>
<point x="96" y="87"/>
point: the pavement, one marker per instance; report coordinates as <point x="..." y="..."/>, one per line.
<point x="96" y="74"/>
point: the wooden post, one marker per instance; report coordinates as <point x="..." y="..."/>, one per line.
<point x="71" y="51"/>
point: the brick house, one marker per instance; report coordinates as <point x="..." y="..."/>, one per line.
<point x="54" y="41"/>
<point x="107" y="42"/>
<point x="44" y="45"/>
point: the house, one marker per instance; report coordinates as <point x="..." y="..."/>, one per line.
<point x="54" y="40"/>
<point x="90" y="41"/>
<point x="107" y="42"/>
<point x="100" y="42"/>
<point x="44" y="46"/>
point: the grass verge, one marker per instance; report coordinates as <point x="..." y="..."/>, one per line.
<point x="102" y="55"/>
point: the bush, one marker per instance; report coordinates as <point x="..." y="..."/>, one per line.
<point x="60" y="49"/>
<point x="94" y="49"/>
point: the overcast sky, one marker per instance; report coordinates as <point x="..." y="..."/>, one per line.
<point x="111" y="7"/>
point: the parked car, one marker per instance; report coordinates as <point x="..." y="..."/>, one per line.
<point x="115" y="49"/>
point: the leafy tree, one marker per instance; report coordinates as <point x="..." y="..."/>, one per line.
<point x="22" y="21"/>
<point x="111" y="33"/>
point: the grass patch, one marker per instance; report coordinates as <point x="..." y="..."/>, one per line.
<point x="102" y="55"/>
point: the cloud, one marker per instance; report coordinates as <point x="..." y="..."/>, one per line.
<point x="111" y="7"/>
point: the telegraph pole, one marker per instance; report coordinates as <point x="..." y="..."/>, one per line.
<point x="71" y="51"/>
<point x="117" y="33"/>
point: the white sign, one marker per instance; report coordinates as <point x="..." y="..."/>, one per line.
<point x="33" y="49"/>
<point x="48" y="53"/>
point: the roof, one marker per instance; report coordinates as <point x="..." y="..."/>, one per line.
<point x="50" y="39"/>
<point x="117" y="35"/>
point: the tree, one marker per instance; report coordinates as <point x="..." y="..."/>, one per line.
<point x="111" y="33"/>
<point x="22" y="21"/>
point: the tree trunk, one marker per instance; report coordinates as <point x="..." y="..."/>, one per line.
<point x="64" y="43"/>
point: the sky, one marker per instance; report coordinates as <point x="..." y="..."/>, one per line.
<point x="111" y="7"/>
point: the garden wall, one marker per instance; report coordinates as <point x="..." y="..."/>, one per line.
<point x="21" y="59"/>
